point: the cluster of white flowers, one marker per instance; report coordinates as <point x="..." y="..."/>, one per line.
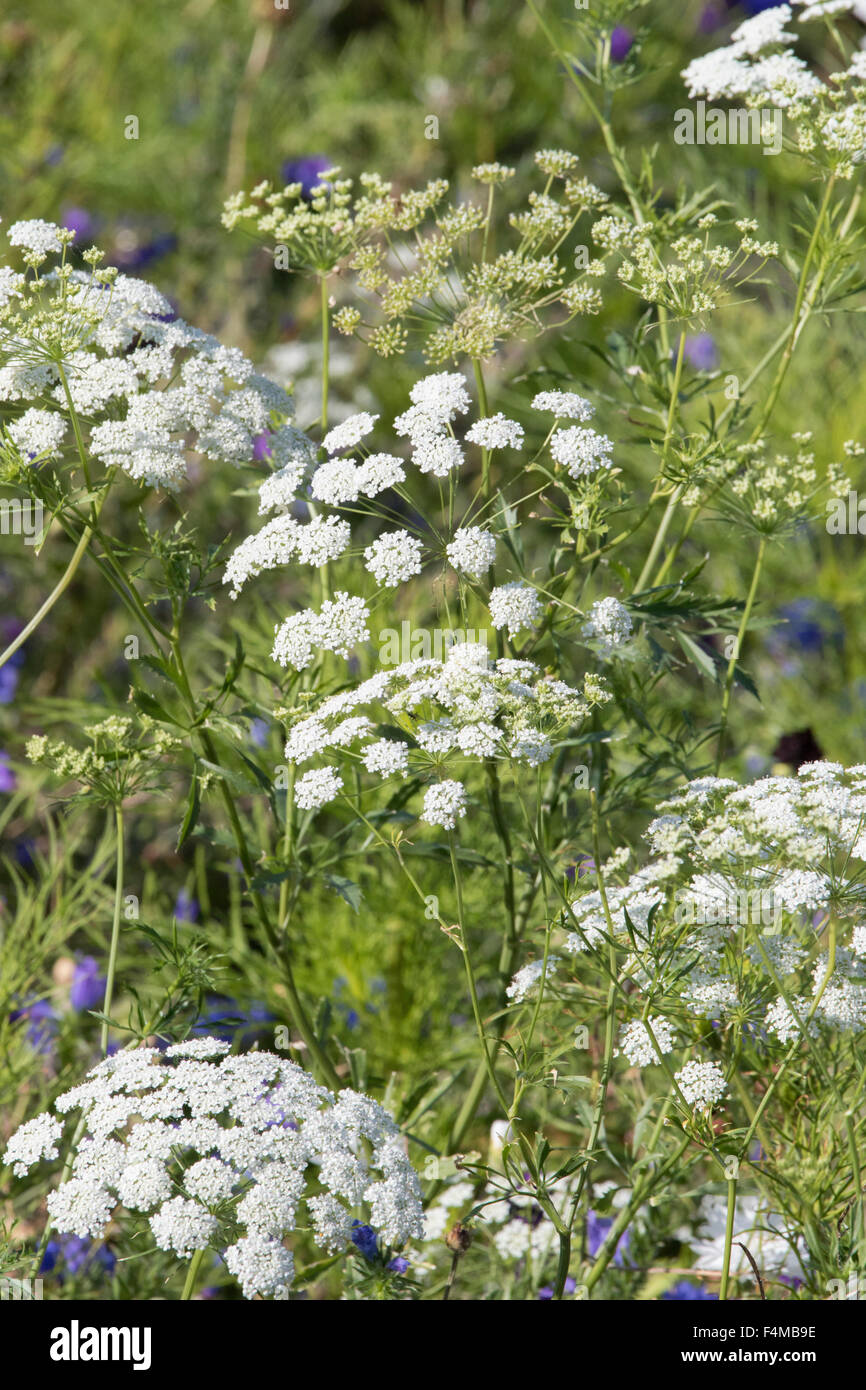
<point x="340" y="625"/>
<point x="515" y="606"/>
<point x="760" y="66"/>
<point x="755" y="1227"/>
<point x="528" y="977"/>
<point x="151" y="388"/>
<point x="636" y="1042"/>
<point x="42" y="238"/>
<point x="609" y="625"/>
<point x="581" y="451"/>
<point x="565" y="405"/>
<point x="736" y="862"/>
<point x="38" y="434"/>
<point x="472" y="551"/>
<point x="466" y="706"/>
<point x="349" y="432"/>
<point x="701" y="1083"/>
<point x="496" y="432"/>
<point x="283" y="539"/>
<point x="444" y="803"/>
<point x="342" y="480"/>
<point x="204" y="1148"/>
<point x="393" y="558"/>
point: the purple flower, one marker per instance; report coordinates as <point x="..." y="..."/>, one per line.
<point x="78" y="1255"/>
<point x="259" y="732"/>
<point x="130" y="253"/>
<point x="701" y="351"/>
<point x="546" y="1293"/>
<point x="306" y="171"/>
<point x="8" y="780"/>
<point x="365" y="1239"/>
<point x="262" y="447"/>
<point x="79" y="221"/>
<point x="88" y="986"/>
<point x="186" y="907"/>
<point x="691" y="1292"/>
<point x="597" y="1230"/>
<point x="621" y="40"/>
<point x="227" y="1019"/>
<point x="399" y="1265"/>
<point x="8" y="681"/>
<point x="808" y="625"/>
<point x="10" y="629"/>
<point x="43" y="1024"/>
<point x="712" y="17"/>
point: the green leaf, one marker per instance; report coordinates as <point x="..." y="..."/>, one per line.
<point x="148" y="705"/>
<point x="191" y="815"/>
<point x="238" y="783"/>
<point x="698" y="656"/>
<point x="350" y="892"/>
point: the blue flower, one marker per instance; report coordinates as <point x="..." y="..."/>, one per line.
<point x="690" y="1292"/>
<point x="79" y="221"/>
<point x="399" y="1265"/>
<point x="43" y="1024"/>
<point x="140" y="254"/>
<point x="365" y="1239"/>
<point x="306" y="171"/>
<point x="700" y="350"/>
<point x="88" y="986"/>
<point x="8" y="780"/>
<point x="259" y="732"/>
<point x="8" y="681"/>
<point x="227" y="1019"/>
<point x="621" y="40"/>
<point x="546" y="1294"/>
<point x="597" y="1228"/>
<point x="186" y="907"/>
<point x="78" y="1255"/>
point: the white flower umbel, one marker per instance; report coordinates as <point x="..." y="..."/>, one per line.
<point x="147" y="389"/>
<point x="444" y="804"/>
<point x="316" y="788"/>
<point x="636" y="1044"/>
<point x="43" y="238"/>
<point x="565" y="405"/>
<point x="701" y="1083"/>
<point x="38" y="434"/>
<point x="581" y="451"/>
<point x="393" y="558"/>
<point x="515" y="606"/>
<point x="340" y="625"/>
<point x="496" y="432"/>
<point x="472" y="551"/>
<point x="528" y="977"/>
<point x="217" y="1151"/>
<point x="349" y="433"/>
<point x="608" y="624"/>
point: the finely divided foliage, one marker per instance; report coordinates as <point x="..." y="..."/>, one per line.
<point x="458" y="685"/>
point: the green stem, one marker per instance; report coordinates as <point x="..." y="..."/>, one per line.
<point x="56" y="593"/>
<point x="115" y="928"/>
<point x="804" y="300"/>
<point x="485" y="410"/>
<point x="278" y="945"/>
<point x="674" y="498"/>
<point x="792" y="1050"/>
<point x="326" y="349"/>
<point x="729" y="1236"/>
<point x="470" y="977"/>
<point x="192" y="1275"/>
<point x="732" y="664"/>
